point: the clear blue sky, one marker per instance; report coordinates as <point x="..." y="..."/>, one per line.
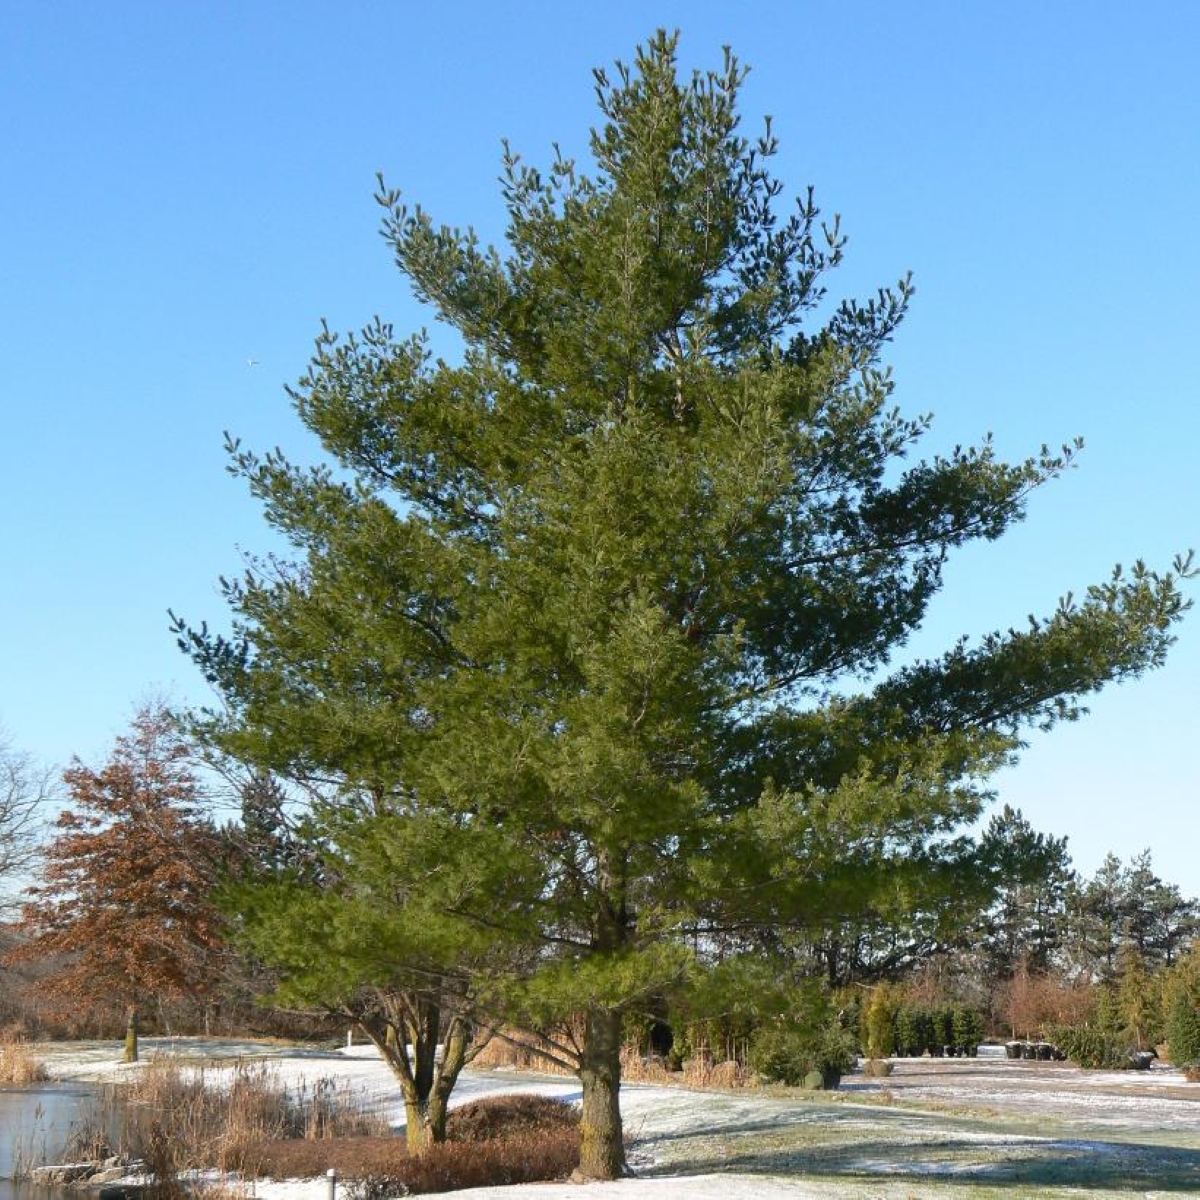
<point x="184" y="187"/>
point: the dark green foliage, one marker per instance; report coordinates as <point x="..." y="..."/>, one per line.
<point x="346" y="936"/>
<point x="911" y="1038"/>
<point x="806" y="1034"/>
<point x="1030" y="873"/>
<point x="1128" y="906"/>
<point x="1183" y="1029"/>
<point x="967" y="1027"/>
<point x="1094" y="1047"/>
<point x="782" y="1054"/>
<point x="1182" y="995"/>
<point x="1158" y="920"/>
<point x="721" y="1012"/>
<point x="788" y="1053"/>
<point x="1102" y="1043"/>
<point x="943" y="1026"/>
<point x="1139" y="999"/>
<point x="597" y="627"/>
<point x="912" y="1029"/>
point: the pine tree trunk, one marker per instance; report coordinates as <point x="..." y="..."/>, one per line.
<point x="423" y="1032"/>
<point x="424" y="1102"/>
<point x="454" y="1057"/>
<point x="602" y="1147"/>
<point x="131" y="1036"/>
<point x="417" y="1134"/>
<point x="392" y="1047"/>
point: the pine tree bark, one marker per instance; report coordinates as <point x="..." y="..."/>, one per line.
<point x="602" y="1144"/>
<point x="392" y="1045"/>
<point x="425" y="1084"/>
<point x="454" y="1056"/>
<point x="417" y="1134"/>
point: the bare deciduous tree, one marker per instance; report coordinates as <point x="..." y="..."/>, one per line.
<point x="25" y="790"/>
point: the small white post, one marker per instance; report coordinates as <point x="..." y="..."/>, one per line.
<point x="331" y="1175"/>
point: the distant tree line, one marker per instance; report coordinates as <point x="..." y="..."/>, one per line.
<point x="124" y="928"/>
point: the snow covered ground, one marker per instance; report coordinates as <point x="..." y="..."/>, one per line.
<point x="936" y="1128"/>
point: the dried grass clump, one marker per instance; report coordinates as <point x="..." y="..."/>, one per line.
<point x="18" y="1066"/>
<point x="302" y="1158"/>
<point x="178" y="1120"/>
<point x="726" y="1075"/>
<point x="702" y="1072"/>
<point x="637" y="1067"/>
<point x="513" y="1050"/>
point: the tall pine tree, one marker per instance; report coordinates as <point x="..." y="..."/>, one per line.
<point x="602" y="618"/>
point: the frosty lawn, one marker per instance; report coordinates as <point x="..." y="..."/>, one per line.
<point x="934" y="1128"/>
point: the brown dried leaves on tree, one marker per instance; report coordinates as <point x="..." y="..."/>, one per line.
<point x="123" y="915"/>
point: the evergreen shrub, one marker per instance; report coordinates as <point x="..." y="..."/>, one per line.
<point x="879" y="1023"/>
<point x="967" y="1026"/>
<point x="1094" y="1047"/>
<point x="1183" y="1030"/>
<point x="910" y="1040"/>
<point x="790" y="1053"/>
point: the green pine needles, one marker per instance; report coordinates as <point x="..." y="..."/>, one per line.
<point x="569" y="635"/>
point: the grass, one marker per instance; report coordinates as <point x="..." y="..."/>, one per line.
<point x="875" y="1143"/>
<point x="18" y="1066"/>
<point x="901" y="1151"/>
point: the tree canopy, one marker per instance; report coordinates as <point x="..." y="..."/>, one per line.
<point x="602" y="626"/>
<point x="124" y="912"/>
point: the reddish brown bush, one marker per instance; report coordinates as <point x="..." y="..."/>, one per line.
<point x="522" y="1158"/>
<point x="500" y="1140"/>
<point x="376" y="1167"/>
<point x="508" y="1116"/>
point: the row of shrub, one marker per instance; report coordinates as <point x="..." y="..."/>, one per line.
<point x="1105" y="1043"/>
<point x="892" y="1024"/>
<point x="815" y="1035"/>
<point x="1098" y="1049"/>
<point x="949" y="1029"/>
<point x="1125" y="1021"/>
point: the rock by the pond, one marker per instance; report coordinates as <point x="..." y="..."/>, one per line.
<point x="63" y="1174"/>
<point x="87" y="1175"/>
<point x="108" y="1175"/>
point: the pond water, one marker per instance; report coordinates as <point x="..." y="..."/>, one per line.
<point x="35" y="1123"/>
